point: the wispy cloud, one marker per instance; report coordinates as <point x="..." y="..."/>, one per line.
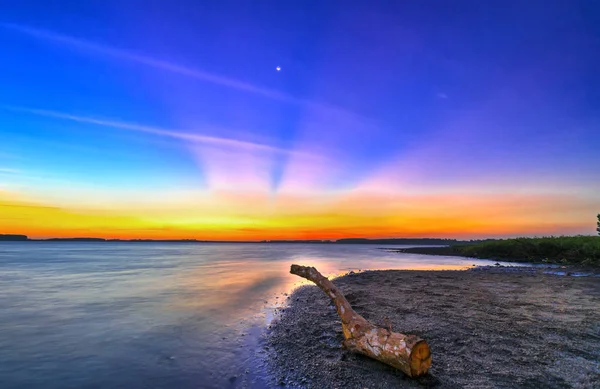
<point x="146" y="60"/>
<point x="191" y="72"/>
<point x="188" y="136"/>
<point x="312" y="143"/>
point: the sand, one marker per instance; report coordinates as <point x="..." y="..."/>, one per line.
<point x="487" y="328"/>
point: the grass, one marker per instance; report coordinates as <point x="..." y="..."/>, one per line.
<point x="576" y="250"/>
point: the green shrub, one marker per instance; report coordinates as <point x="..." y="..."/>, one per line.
<point x="584" y="250"/>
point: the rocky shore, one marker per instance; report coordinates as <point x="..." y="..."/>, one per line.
<point x="487" y="328"/>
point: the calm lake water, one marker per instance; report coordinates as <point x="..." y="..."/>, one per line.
<point x="156" y="315"/>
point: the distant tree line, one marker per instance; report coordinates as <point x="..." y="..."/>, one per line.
<point x="12" y="237"/>
<point x="424" y="241"/>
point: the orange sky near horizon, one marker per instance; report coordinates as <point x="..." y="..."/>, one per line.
<point x="235" y="216"/>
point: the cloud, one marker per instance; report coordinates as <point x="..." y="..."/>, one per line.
<point x="192" y="137"/>
<point x="149" y="61"/>
<point x="178" y="69"/>
<point x="228" y="164"/>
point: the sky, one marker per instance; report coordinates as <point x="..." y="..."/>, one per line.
<point x="154" y="119"/>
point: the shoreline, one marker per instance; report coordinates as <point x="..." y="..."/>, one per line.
<point x="440" y="250"/>
<point x="487" y="327"/>
<point x="456" y="251"/>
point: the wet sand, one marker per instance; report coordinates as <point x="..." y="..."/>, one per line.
<point x="487" y="328"/>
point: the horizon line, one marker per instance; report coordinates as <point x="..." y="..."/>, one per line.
<point x="89" y="239"/>
<point x="23" y="237"/>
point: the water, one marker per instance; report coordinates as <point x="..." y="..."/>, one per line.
<point x="156" y="315"/>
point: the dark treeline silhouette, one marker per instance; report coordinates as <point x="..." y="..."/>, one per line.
<point x="297" y="241"/>
<point x="10" y="237"/>
<point x="425" y="241"/>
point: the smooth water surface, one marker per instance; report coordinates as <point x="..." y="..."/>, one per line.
<point x="156" y="315"/>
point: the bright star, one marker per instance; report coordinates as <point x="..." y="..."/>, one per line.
<point x="278" y="68"/>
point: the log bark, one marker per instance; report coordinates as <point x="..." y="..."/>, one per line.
<point x="408" y="353"/>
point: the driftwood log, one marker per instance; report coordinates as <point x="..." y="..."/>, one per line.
<point x="408" y="353"/>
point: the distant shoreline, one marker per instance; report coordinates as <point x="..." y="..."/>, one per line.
<point x="565" y="250"/>
<point x="404" y="241"/>
<point x="441" y="250"/>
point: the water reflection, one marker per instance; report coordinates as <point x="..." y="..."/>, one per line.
<point x="166" y="315"/>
